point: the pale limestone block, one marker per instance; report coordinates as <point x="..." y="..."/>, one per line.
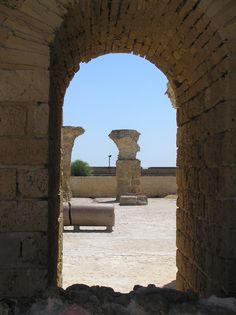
<point x="12" y="119"/>
<point x="10" y="58"/>
<point x="27" y="33"/>
<point x="41" y="12"/>
<point x="133" y="200"/>
<point x="38" y="118"/>
<point x="24" y="17"/>
<point x="33" y="183"/>
<point x="24" y="216"/>
<point x="24" y="85"/>
<point x="23" y="151"/>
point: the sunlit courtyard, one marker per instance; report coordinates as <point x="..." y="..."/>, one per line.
<point x="140" y="250"/>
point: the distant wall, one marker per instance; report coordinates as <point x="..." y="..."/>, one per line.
<point x="158" y="186"/>
<point x="93" y="186"/>
<point x="151" y="171"/>
<point x="105" y="186"/>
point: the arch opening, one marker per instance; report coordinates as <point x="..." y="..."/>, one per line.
<point x="115" y="92"/>
<point x="190" y="72"/>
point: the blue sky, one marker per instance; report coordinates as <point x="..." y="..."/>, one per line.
<point x="121" y="91"/>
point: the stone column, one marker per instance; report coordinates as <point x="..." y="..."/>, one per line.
<point x="68" y="136"/>
<point x="128" y="170"/>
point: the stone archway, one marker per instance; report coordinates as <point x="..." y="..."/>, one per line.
<point x="193" y="43"/>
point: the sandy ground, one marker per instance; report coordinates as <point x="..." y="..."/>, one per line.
<point x="140" y="250"/>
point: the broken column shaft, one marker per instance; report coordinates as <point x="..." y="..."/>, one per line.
<point x="128" y="171"/>
<point x="68" y="136"/>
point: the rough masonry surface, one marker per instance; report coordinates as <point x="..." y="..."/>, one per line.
<point x="42" y="44"/>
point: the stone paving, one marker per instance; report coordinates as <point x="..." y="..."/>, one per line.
<point x="140" y="250"/>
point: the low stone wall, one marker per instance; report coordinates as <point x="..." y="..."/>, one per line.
<point x="150" y="171"/>
<point x="93" y="186"/>
<point x="105" y="186"/>
<point x="158" y="186"/>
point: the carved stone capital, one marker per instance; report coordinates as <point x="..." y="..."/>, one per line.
<point x="126" y="141"/>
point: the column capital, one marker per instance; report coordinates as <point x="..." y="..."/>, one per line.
<point x="126" y="141"/>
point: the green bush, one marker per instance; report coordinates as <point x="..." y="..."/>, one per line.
<point x="80" y="168"/>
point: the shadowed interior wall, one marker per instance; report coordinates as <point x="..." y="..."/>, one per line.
<point x="42" y="44"/>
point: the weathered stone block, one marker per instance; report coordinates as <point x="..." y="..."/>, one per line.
<point x="229" y="147"/>
<point x="33" y="183"/>
<point x="26" y="151"/>
<point x="216" y="119"/>
<point x="24" y="216"/>
<point x="213" y="152"/>
<point x="184" y="267"/>
<point x="34" y="249"/>
<point x="190" y="178"/>
<point x="22" y="281"/>
<point x="179" y="177"/>
<point x="38" y="119"/>
<point x="227" y="181"/>
<point x="10" y="254"/>
<point x="128" y="173"/>
<point x="26" y="60"/>
<point x="228" y="273"/>
<point x="209" y="181"/>
<point x="34" y="85"/>
<point x="215" y="93"/>
<point x="12" y="120"/>
<point x="23" y="249"/>
<point x="7" y="183"/>
<point x="182" y="116"/>
<point x="133" y="200"/>
<point x="225" y="243"/>
<point x="191" y="155"/>
<point x="227" y="212"/>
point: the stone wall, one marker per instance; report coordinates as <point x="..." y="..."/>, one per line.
<point x="42" y="44"/>
<point x="105" y="186"/>
<point x="150" y="171"/>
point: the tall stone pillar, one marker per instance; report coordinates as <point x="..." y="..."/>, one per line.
<point x="128" y="170"/>
<point x="68" y="136"/>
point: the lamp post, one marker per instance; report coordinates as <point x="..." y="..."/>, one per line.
<point x="109" y="160"/>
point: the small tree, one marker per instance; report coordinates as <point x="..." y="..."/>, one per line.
<point x="80" y="168"/>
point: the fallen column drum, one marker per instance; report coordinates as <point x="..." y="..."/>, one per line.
<point x="88" y="215"/>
